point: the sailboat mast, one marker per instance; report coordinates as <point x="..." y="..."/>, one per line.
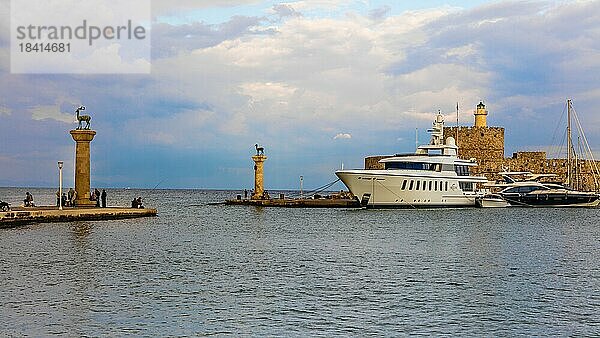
<point x="569" y="144"/>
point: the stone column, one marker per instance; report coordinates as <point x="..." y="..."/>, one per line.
<point x="82" y="166"/>
<point x="259" y="188"/>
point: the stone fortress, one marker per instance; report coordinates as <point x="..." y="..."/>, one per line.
<point x="486" y="145"/>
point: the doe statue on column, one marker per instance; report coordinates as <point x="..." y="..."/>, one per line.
<point x="259" y="161"/>
<point x="82" y="118"/>
<point x="82" y="136"/>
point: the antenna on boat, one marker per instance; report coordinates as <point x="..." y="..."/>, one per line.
<point x="456" y="123"/>
<point x="416" y="137"/>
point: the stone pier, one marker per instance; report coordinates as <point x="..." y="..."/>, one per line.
<point x="82" y="165"/>
<point x="21" y="216"/>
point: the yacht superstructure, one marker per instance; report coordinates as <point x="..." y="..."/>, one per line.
<point x="433" y="176"/>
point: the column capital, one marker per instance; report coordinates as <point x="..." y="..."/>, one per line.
<point x="83" y="135"/>
<point x="259" y="158"/>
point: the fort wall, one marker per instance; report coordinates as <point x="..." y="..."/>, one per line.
<point x="478" y="142"/>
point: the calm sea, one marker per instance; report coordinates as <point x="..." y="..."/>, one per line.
<point x="201" y="269"/>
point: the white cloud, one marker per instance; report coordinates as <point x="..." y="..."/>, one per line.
<point x="345" y="136"/>
<point x="312" y="72"/>
<point x="177" y="7"/>
<point x="119" y="55"/>
<point x="306" y="5"/>
<point x="51" y="112"/>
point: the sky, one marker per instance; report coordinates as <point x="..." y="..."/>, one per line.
<point x="319" y="83"/>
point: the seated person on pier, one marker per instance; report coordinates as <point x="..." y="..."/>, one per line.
<point x="136" y="203"/>
<point x="4" y="206"/>
<point x="28" y="201"/>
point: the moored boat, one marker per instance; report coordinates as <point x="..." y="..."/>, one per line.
<point x="530" y="192"/>
<point x="433" y="176"/>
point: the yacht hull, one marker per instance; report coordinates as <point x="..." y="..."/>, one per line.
<point x="392" y="189"/>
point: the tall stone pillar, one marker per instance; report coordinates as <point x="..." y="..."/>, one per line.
<point x="259" y="188"/>
<point x="82" y="165"/>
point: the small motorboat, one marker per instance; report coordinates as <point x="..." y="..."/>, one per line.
<point x="492" y="201"/>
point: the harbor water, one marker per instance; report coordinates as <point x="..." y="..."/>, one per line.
<point x="202" y="269"/>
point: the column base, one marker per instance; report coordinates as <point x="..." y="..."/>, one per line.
<point x="84" y="203"/>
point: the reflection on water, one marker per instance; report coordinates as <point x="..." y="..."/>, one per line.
<point x="202" y="269"/>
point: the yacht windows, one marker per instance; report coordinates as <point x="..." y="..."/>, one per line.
<point x="466" y="186"/>
<point x="446" y="186"/>
<point x="404" y="185"/>
<point x="461" y="170"/>
<point x="410" y="187"/>
<point x="447" y="167"/>
<point x="524" y="190"/>
<point x="412" y="166"/>
<point x="418" y="185"/>
<point x="430" y="185"/>
<point x="436" y="185"/>
<point x="424" y="185"/>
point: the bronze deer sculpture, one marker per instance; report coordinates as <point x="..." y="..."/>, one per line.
<point x="82" y="118"/>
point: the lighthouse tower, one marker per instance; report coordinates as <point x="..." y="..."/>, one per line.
<point x="481" y="115"/>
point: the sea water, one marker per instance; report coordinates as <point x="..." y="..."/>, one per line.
<point x="202" y="269"/>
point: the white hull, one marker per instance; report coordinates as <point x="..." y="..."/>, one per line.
<point x="384" y="188"/>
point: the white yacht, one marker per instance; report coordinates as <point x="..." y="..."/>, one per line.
<point x="432" y="177"/>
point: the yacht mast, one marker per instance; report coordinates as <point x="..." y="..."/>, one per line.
<point x="457" y="123"/>
<point x="569" y="143"/>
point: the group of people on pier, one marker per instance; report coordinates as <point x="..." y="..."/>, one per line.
<point x="69" y="199"/>
<point x="100" y="198"/>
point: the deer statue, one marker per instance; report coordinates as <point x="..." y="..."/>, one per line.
<point x="82" y="118"/>
<point x="259" y="150"/>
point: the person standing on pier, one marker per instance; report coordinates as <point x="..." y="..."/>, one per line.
<point x="70" y="196"/>
<point x="97" y="195"/>
<point x="103" y="198"/>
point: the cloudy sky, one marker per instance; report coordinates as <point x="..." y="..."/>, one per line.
<point x="317" y="82"/>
